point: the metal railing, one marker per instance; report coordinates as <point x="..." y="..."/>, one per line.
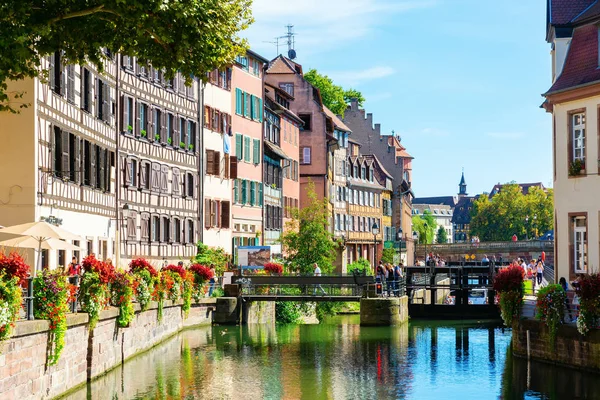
<point x="28" y="298"/>
<point x="571" y="308"/>
<point x="526" y="244"/>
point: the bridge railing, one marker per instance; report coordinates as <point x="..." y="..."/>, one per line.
<point x="540" y="245"/>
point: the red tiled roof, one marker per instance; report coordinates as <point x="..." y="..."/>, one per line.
<point x="338" y="123"/>
<point x="581" y="65"/>
<point x="564" y="11"/>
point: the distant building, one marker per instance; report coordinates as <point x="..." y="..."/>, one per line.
<point x="442" y="214"/>
<point x="573" y="98"/>
<point x="525" y="187"/>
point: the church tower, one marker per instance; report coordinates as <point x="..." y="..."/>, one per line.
<point x="462" y="186"/>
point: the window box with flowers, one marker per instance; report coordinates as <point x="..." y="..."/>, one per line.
<point x="577" y="167"/>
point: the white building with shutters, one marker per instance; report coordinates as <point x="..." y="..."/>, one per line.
<point x="91" y="143"/>
<point x="220" y="166"/>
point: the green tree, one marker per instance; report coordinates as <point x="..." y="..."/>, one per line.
<point x="215" y="256"/>
<point x="334" y="97"/>
<point x="194" y="36"/>
<point x="306" y="239"/>
<point x="361" y="266"/>
<point x="442" y="235"/>
<point x="351" y="94"/>
<point x="510" y="212"/>
<point x="387" y="256"/>
<point x="424" y="225"/>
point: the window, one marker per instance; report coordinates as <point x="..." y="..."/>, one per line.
<point x="176" y="230"/>
<point x="86" y="90"/>
<point x="306" y="119"/>
<point x="305" y="155"/>
<point x="189" y="185"/>
<point x="156" y="122"/>
<point x="246" y="148"/>
<point x="191" y="135"/>
<point x="128" y="114"/>
<point x="256" y="151"/>
<point x="170" y="128"/>
<point x="288" y="87"/>
<point x="243" y="61"/>
<point x="371" y="174"/>
<point x="239" y="102"/>
<point x="127" y="63"/>
<point x="247" y="106"/>
<point x="255" y="67"/>
<point x="165" y="229"/>
<point x="155" y="228"/>
<point x="579" y="244"/>
<point x="213" y="162"/>
<point x="578" y="136"/>
<point x="189" y="231"/>
<point x="103" y="102"/>
<point x="363" y="172"/>
<point x="56" y="73"/>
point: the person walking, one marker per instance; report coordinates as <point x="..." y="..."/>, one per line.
<point x="74" y="268"/>
<point x="540" y="271"/>
<point x="212" y="280"/>
<point x="317" y="272"/>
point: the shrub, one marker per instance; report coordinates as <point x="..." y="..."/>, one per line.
<point x="10" y="303"/>
<point x="51" y="296"/>
<point x="361" y="266"/>
<point x="508" y="285"/>
<point x="588" y="291"/>
<point x="551" y="308"/>
<point x="143" y="285"/>
<point x="121" y="290"/>
<point x="13" y="265"/>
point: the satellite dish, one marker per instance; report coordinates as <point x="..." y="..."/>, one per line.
<point x="291" y="54"/>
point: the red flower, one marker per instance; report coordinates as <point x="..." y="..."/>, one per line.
<point x="14" y="265"/>
<point x="176" y="268"/>
<point x="139" y="264"/>
<point x="274" y="268"/>
<point x="509" y="279"/>
<point x="104" y="270"/>
<point x="201" y="272"/>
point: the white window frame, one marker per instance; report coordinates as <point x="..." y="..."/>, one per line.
<point x="579" y="246"/>
<point x="578" y="139"/>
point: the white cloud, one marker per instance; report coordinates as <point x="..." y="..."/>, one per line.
<point x="353" y="78"/>
<point x="321" y="24"/>
<point x="504" y="135"/>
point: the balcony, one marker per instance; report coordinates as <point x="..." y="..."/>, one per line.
<point x="272" y="195"/>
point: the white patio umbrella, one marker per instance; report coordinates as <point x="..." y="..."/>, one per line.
<point x="41" y="232"/>
<point x="27" y="242"/>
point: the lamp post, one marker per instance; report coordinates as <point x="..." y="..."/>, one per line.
<point x="526" y="226"/>
<point x="375" y="231"/>
<point x="426" y="227"/>
<point x="399" y="239"/>
<point x="415" y="241"/>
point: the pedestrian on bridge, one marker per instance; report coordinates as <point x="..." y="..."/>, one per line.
<point x="317" y="272"/>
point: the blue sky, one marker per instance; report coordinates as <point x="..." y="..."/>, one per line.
<point x="460" y="80"/>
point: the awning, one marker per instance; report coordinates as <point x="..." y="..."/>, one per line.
<point x="278" y="151"/>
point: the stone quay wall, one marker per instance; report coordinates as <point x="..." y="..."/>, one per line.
<point x="23" y="371"/>
<point x="570" y="349"/>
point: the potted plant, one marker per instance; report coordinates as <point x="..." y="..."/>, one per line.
<point x="508" y="285"/>
<point x="129" y="129"/>
<point x="182" y="145"/>
<point x="157" y="137"/>
<point x="169" y="141"/>
<point x="191" y="147"/>
<point x="577" y="167"/>
<point x="143" y="133"/>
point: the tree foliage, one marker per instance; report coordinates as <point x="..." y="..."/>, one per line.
<point x="387" y="256"/>
<point x="334" y="96"/>
<point x="511" y="212"/>
<point x="193" y="36"/>
<point x="441" y="236"/>
<point x="211" y="256"/>
<point x="306" y="239"/>
<point x="424" y="225"/>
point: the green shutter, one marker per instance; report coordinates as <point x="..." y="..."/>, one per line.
<point x="252" y="193"/>
<point x="244" y="196"/>
<point x="238" y="101"/>
<point x="246" y="149"/>
<point x="260" y="194"/>
<point x="256" y="151"/>
<point x="236" y="188"/>
<point x="260" y="110"/>
<point x="252" y="107"/>
<point x="238" y="146"/>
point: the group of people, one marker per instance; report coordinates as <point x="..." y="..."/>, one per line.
<point x="534" y="270"/>
<point x="389" y="276"/>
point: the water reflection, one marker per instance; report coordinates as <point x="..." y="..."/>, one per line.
<point x="339" y="360"/>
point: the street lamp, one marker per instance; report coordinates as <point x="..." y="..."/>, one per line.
<point x="399" y="240"/>
<point x="375" y="230"/>
<point x="415" y="241"/>
<point x="526" y="230"/>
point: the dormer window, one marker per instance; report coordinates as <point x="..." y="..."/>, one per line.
<point x="363" y="173"/>
<point x="371" y="174"/>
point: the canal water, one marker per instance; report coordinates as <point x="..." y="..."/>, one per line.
<point x="340" y="360"/>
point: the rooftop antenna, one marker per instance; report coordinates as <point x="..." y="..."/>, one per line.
<point x="291" y="41"/>
<point x="275" y="42"/>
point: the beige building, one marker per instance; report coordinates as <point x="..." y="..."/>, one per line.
<point x="111" y="157"/>
<point x="574" y="101"/>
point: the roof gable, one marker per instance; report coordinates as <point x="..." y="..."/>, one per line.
<point x="564" y="11"/>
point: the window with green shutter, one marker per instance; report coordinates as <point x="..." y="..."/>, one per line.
<point x="256" y="151"/>
<point x="238" y="146"/>
<point x="239" y="101"/>
<point x="236" y="188"/>
<point x="260" y="110"/>
<point x="252" y="193"/>
<point x="260" y="194"/>
<point x="244" y="192"/>
<point x="246" y="148"/>
<point x="247" y="105"/>
<point x="252" y="107"/>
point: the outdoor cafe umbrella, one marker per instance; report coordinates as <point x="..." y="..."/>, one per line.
<point x="41" y="232"/>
